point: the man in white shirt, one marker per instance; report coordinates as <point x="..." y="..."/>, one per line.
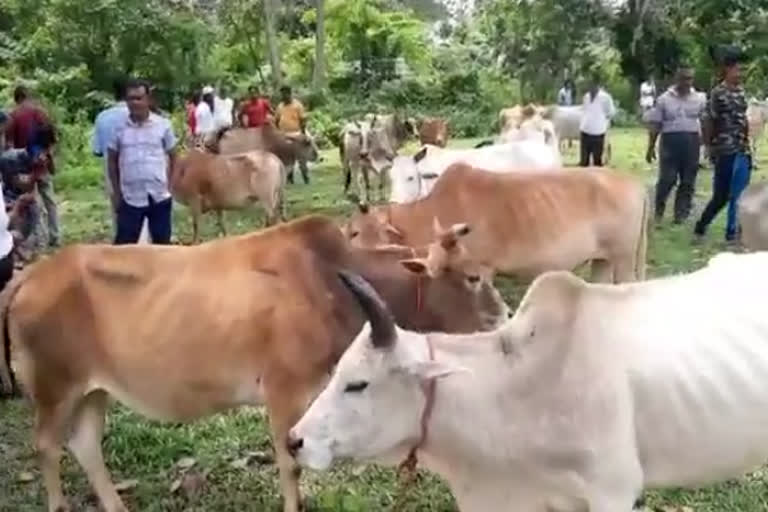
<point x="647" y="95"/>
<point x="595" y="120"/>
<point x="204" y="124"/>
<point x="142" y="153"/>
<point x="565" y="95"/>
<point x="222" y="110"/>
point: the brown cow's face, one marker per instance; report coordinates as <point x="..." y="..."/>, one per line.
<point x="306" y="149"/>
<point x="458" y="291"/>
<point x="463" y="291"/>
<point x="368" y="230"/>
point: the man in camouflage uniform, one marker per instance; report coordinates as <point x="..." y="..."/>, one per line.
<point x="726" y="137"/>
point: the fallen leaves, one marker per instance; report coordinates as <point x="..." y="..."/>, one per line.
<point x="260" y="458"/>
<point x="25" y="477"/>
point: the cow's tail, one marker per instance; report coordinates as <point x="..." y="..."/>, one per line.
<point x="7" y="381"/>
<point x="642" y="240"/>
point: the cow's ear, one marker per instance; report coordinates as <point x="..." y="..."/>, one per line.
<point x="418" y="157"/>
<point x="416" y="266"/>
<point x="392" y="230"/>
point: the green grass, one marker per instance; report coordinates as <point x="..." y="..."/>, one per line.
<point x="148" y="451"/>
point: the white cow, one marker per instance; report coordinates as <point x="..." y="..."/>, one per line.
<point x="753" y="216"/>
<point x="413" y="177"/>
<point x="588" y="395"/>
<point x="567" y="123"/>
<point x="757" y="116"/>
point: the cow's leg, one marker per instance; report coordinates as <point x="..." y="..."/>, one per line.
<point x="624" y="269"/>
<point x="602" y="271"/>
<point x="286" y="404"/>
<point x="85" y="445"/>
<point x="195" y="210"/>
<point x="363" y="184"/>
<point x="382" y="177"/>
<point x="347" y="177"/>
<point x="220" y="222"/>
<point x="51" y="422"/>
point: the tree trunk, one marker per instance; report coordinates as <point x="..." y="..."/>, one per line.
<point x="272" y="43"/>
<point x="318" y="77"/>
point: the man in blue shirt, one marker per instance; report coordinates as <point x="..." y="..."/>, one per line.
<point x="104" y="127"/>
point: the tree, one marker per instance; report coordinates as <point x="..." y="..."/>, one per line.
<point x="318" y="76"/>
<point x="273" y="46"/>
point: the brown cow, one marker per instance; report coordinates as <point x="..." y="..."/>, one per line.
<point x="206" y="182"/>
<point x="433" y="131"/>
<point x="178" y="333"/>
<point x="289" y="147"/>
<point x="525" y="223"/>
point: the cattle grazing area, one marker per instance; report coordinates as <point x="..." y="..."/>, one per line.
<point x="226" y="462"/>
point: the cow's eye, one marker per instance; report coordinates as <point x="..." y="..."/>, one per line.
<point x="356" y="387"/>
<point x="473" y="279"/>
<point x="354" y="234"/>
<point x="410" y="178"/>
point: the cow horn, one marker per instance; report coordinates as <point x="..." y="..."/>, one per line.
<point x="382" y="324"/>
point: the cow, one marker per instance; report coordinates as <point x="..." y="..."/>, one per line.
<point x="177" y="333"/>
<point x="525" y="223"/>
<point x="753" y="216"/>
<point x="289" y="147"/>
<point x="567" y="123"/>
<point x="433" y="131"/>
<point x="365" y="148"/>
<point x="512" y="117"/>
<point x="207" y="182"/>
<point x="588" y="395"/>
<point x="414" y="177"/>
<point x="757" y="116"/>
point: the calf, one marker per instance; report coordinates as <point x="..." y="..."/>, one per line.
<point x="177" y="333"/>
<point x="289" y="147"/>
<point x="589" y="394"/>
<point x="433" y="131"/>
<point x="525" y="223"/>
<point x="365" y="149"/>
<point x="206" y="182"/>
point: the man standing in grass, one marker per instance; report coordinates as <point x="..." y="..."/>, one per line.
<point x="142" y="154"/>
<point x="676" y="116"/>
<point x="104" y="127"/>
<point x="291" y="118"/>
<point x="595" y="121"/>
<point x="726" y="137"/>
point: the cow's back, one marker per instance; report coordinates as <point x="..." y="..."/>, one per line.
<point x="533" y="220"/>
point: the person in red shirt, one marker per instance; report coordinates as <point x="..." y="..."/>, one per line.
<point x="26" y="123"/>
<point x="257" y="111"/>
<point x="194" y="99"/>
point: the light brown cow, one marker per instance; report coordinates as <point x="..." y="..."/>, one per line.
<point x="511" y="118"/>
<point x="289" y="147"/>
<point x="178" y="333"/>
<point x="433" y="131"/>
<point x="206" y="182"/>
<point x="525" y="223"/>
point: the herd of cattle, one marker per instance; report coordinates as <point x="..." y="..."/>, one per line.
<point x="586" y="395"/>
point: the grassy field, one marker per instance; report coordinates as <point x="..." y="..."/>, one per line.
<point x="231" y="452"/>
